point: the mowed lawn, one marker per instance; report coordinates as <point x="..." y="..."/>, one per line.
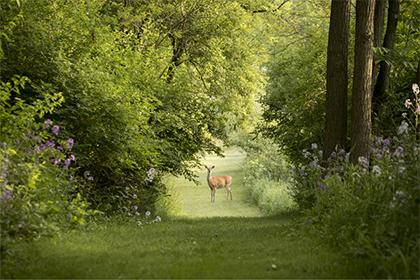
<point x="226" y="239"/>
<point x="186" y="248"/>
<point x="194" y="200"/>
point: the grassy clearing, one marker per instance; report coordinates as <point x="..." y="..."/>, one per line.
<point x="194" y="200"/>
<point x="185" y="248"/>
<point x="227" y="239"/>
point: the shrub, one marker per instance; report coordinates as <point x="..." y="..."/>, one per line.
<point x="37" y="193"/>
<point x="371" y="208"/>
<point x="267" y="176"/>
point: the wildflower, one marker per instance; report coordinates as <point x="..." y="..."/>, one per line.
<point x="158" y="219"/>
<point x="314" y="146"/>
<point x="363" y="162"/>
<point x="55" y="130"/>
<point x="399" y="152"/>
<point x="387" y="142"/>
<point x="404" y="115"/>
<point x="56" y="161"/>
<point x="403" y="128"/>
<point x="147" y="214"/>
<point x="50" y="144"/>
<point x="418" y="110"/>
<point x="314" y="164"/>
<point x="139" y="223"/>
<point x="47" y="123"/>
<point x="400" y="196"/>
<point x="60" y="148"/>
<point x="401" y="169"/>
<point x="333" y="155"/>
<point x="70" y="143"/>
<point x="416" y="89"/>
<point x="302" y="171"/>
<point x="322" y="186"/>
<point x="134" y="196"/>
<point x="72" y="157"/>
<point x="151" y="171"/>
<point x="306" y="154"/>
<point x="67" y="162"/>
<point x="376" y="170"/>
<point x="7" y="195"/>
<point x="341" y="153"/>
<point x="408" y="103"/>
<point x="135" y="208"/>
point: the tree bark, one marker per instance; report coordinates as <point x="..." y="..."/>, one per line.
<point x="362" y="81"/>
<point x="337" y="78"/>
<point x="378" y="30"/>
<point x="382" y="83"/>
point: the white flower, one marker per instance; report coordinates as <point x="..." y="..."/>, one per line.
<point x="376" y="170"/>
<point x="418" y="110"/>
<point x="408" y="103"/>
<point x="147" y="213"/>
<point x="363" y="162"/>
<point x="416" y="89"/>
<point x="134" y="196"/>
<point x="404" y="115"/>
<point x="402" y="128"/>
<point x="158" y="219"/>
<point x="314" y="146"/>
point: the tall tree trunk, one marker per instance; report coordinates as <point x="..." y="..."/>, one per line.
<point x="362" y="81"/>
<point x="337" y="77"/>
<point x="378" y="30"/>
<point x="382" y="83"/>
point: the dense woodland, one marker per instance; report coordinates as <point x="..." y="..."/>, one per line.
<point x="101" y="99"/>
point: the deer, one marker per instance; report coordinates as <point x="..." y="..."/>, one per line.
<point x="218" y="182"/>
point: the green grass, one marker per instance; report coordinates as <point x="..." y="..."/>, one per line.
<point x="194" y="200"/>
<point x="185" y="248"/>
<point x="227" y="239"/>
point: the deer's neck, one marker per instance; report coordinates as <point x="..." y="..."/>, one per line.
<point x="209" y="177"/>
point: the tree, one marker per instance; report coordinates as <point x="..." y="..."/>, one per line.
<point x="362" y="81"/>
<point x="378" y="30"/>
<point x="337" y="77"/>
<point x="382" y="83"/>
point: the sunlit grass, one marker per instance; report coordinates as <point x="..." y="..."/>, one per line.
<point x="185" y="248"/>
<point x="199" y="239"/>
<point x="194" y="200"/>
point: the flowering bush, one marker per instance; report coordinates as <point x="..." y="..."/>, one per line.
<point x="371" y="207"/>
<point x="37" y="193"/>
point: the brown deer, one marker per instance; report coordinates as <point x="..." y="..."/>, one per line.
<point x="218" y="182"/>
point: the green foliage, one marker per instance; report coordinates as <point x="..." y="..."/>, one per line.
<point x="370" y="208"/>
<point x="146" y="85"/>
<point x="294" y="102"/>
<point x="37" y="194"/>
<point x="267" y="176"/>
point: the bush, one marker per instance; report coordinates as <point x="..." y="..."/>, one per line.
<point x="267" y="176"/>
<point x="37" y="193"/>
<point x="371" y="208"/>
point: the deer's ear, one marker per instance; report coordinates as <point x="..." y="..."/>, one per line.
<point x="213" y="167"/>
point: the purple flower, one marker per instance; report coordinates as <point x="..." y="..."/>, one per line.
<point x="387" y="142"/>
<point x="151" y="171"/>
<point x="55" y="130"/>
<point x="322" y="186"/>
<point x="48" y="123"/>
<point x="70" y="143"/>
<point x="7" y="195"/>
<point x="67" y="163"/>
<point x="60" y="148"/>
<point x="50" y="144"/>
<point x="41" y="147"/>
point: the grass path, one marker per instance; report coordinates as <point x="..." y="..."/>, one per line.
<point x="194" y="199"/>
<point x="228" y="239"/>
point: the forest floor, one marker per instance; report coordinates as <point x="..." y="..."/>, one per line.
<point x="227" y="239"/>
